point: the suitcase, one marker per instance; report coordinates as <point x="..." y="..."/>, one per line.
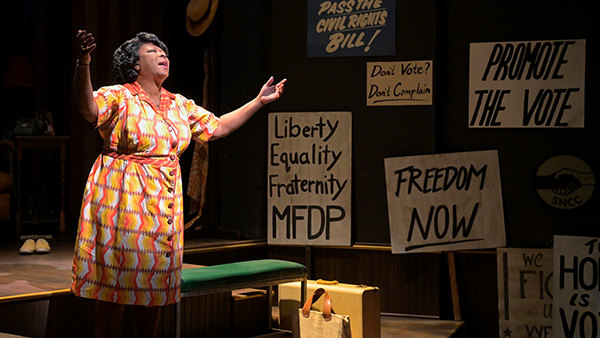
<point x="361" y="303"/>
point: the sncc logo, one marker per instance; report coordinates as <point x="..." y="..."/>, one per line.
<point x="564" y="182"/>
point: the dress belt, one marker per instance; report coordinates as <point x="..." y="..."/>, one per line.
<point x="160" y="161"/>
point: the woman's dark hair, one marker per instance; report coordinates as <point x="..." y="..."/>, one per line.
<point x="128" y="55"/>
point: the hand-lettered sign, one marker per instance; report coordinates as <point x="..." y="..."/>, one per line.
<point x="351" y="28"/>
<point x="408" y="83"/>
<point x="445" y="202"/>
<point x="524" y="292"/>
<point x="527" y="84"/>
<point x="308" y="183"/>
<point x="576" y="302"/>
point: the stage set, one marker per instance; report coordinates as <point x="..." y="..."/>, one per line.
<point x="35" y="300"/>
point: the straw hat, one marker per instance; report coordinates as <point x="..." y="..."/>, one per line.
<point x="200" y="14"/>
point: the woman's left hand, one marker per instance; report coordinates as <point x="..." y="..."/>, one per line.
<point x="269" y="93"/>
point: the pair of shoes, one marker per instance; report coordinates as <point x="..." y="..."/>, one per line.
<point x="30" y="246"/>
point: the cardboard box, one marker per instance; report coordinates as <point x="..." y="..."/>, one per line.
<point x="361" y="303"/>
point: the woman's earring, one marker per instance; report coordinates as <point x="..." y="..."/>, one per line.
<point x="136" y="67"/>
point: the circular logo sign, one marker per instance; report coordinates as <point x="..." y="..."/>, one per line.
<point x="564" y="182"/>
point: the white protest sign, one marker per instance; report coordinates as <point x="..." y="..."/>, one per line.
<point x="527" y="84"/>
<point x="576" y="305"/>
<point x="309" y="178"/>
<point x="445" y="202"/>
<point x="524" y="292"/>
<point x="407" y="83"/>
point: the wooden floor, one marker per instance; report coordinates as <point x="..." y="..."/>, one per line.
<point x="36" y="273"/>
<point x="394" y="327"/>
<point x="27" y="276"/>
<point x="399" y="326"/>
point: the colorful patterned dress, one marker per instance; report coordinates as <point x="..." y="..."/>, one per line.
<point x="129" y="246"/>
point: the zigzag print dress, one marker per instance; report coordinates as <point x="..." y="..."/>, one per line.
<point x="129" y="246"/>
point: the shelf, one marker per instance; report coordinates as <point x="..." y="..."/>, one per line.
<point x="36" y="142"/>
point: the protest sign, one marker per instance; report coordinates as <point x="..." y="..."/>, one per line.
<point x="576" y="303"/>
<point x="351" y="28"/>
<point x="527" y="84"/>
<point x="525" y="292"/>
<point x="407" y="83"/>
<point x="444" y="202"/>
<point x="309" y="178"/>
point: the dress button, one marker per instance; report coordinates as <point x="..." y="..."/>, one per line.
<point x="174" y="145"/>
<point x="172" y="172"/>
<point x="173" y="157"/>
<point x="168" y="254"/>
<point x="170" y="238"/>
<point x="170" y="190"/>
<point x="170" y="221"/>
<point x="170" y="205"/>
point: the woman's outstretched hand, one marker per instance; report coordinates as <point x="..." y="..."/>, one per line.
<point x="85" y="45"/>
<point x="269" y="93"/>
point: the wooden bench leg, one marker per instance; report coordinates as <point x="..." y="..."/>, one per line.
<point x="270" y="307"/>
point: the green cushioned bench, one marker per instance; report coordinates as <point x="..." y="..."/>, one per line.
<point x="247" y="274"/>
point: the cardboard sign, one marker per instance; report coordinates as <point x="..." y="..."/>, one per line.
<point x="576" y="305"/>
<point x="400" y="83"/>
<point x="309" y="178"/>
<point x="527" y="84"/>
<point x="445" y="202"/>
<point x="525" y="292"/>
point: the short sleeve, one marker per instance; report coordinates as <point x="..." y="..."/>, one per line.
<point x="202" y="122"/>
<point x="110" y="101"/>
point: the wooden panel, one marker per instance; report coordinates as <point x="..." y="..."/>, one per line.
<point x="409" y="283"/>
<point x="205" y="316"/>
<point x="248" y="313"/>
<point x="24" y="318"/>
<point x="200" y="257"/>
<point x="477" y="285"/>
<point x="68" y="316"/>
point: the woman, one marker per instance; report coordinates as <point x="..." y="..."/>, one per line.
<point x="129" y="244"/>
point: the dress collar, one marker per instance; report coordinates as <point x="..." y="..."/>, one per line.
<point x="165" y="95"/>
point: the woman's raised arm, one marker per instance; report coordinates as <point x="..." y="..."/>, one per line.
<point x="83" y="96"/>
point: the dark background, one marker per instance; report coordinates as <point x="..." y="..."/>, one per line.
<point x="251" y="40"/>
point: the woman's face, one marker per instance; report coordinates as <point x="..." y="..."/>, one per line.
<point x="153" y="63"/>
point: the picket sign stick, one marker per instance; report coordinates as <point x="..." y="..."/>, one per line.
<point x="308" y="260"/>
<point x="453" y="285"/>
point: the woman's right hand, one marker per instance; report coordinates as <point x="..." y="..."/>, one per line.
<point x="85" y="45"/>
